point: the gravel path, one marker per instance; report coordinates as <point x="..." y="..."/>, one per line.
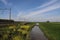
<point x="37" y="34"/>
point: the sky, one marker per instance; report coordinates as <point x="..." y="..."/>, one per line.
<point x="31" y="10"/>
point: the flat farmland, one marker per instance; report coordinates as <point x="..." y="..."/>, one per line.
<point x="51" y="30"/>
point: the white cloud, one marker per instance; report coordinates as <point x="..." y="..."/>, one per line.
<point x="50" y="6"/>
<point x="46" y="4"/>
<point x="42" y="19"/>
<point x="53" y="19"/>
<point x="5" y="2"/>
<point x="47" y="9"/>
<point x="49" y="3"/>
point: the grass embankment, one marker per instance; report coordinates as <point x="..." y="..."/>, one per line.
<point x="51" y="30"/>
<point x="16" y="31"/>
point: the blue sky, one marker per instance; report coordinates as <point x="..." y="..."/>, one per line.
<point x="31" y="10"/>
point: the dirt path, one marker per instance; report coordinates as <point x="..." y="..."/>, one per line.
<point x="37" y="34"/>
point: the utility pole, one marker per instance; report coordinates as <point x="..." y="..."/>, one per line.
<point x="10" y="14"/>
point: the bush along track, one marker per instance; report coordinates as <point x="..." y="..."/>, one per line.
<point x="16" y="32"/>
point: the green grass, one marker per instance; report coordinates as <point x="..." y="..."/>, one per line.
<point x="51" y="30"/>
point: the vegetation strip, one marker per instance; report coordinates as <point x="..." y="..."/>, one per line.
<point x="51" y="30"/>
<point x="17" y="31"/>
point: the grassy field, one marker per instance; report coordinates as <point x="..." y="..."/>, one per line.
<point x="17" y="31"/>
<point x="51" y="30"/>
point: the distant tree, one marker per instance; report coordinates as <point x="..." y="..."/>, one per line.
<point x="48" y="21"/>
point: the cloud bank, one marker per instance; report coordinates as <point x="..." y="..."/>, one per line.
<point x="47" y="7"/>
<point x="5" y="2"/>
